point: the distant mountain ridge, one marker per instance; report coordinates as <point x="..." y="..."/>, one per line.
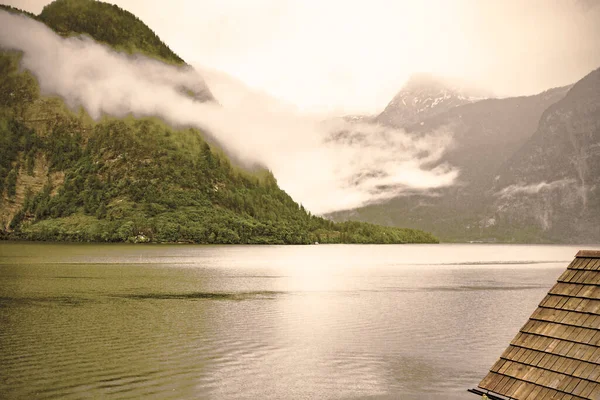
<point x="521" y="161"/>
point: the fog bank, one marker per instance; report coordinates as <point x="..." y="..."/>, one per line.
<point x="365" y="164"/>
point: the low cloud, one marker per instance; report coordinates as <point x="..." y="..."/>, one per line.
<point x="325" y="163"/>
<point x="534" y="188"/>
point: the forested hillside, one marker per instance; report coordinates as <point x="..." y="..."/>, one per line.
<point x="106" y="23"/>
<point x="64" y="176"/>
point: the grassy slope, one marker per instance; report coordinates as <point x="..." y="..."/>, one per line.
<point x="64" y="176"/>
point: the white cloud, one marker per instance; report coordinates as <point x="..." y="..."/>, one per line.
<point x="323" y="174"/>
<point x="352" y="56"/>
<point x="534" y="188"/>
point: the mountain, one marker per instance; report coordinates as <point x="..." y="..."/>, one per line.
<point x="422" y="96"/>
<point x="486" y="134"/>
<point x="118" y="28"/>
<point x="106" y="23"/>
<point x="65" y="176"/>
<point x="551" y="186"/>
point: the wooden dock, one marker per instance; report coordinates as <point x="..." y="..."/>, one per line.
<point x="556" y="354"/>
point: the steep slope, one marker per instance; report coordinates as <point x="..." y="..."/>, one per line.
<point x="106" y="23"/>
<point x="64" y="176"/>
<point x="552" y="185"/>
<point x="486" y="134"/>
<point x="118" y="28"/>
<point x="17" y="11"/>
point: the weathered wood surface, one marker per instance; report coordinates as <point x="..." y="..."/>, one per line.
<point x="556" y="354"/>
<point x="589" y="253"/>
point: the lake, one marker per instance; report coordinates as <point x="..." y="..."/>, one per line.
<point x="263" y="322"/>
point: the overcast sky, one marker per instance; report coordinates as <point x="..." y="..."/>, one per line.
<point x="349" y="56"/>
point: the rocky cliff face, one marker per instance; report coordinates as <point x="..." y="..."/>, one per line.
<point x="552" y="184"/>
<point x="487" y="135"/>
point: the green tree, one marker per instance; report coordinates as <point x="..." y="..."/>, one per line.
<point x="11" y="183"/>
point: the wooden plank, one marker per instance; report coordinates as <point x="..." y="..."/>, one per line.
<point x="568" y="275"/>
<point x="589" y="306"/>
<point x="522" y="390"/>
<point x="572" y="385"/>
<point x="485" y="382"/>
<point x="588" y="277"/>
<point x="534" y="393"/>
<point x="550" y="301"/>
<point x="563" y="300"/>
<point x="564" y="384"/>
<point x="552" y="394"/>
<point x="527" y="357"/>
<point x="501" y="382"/>
<point x="546" y="361"/>
<point x="577" y="353"/>
<point x="582" y="318"/>
<point x="558" y="364"/>
<point x="588" y="292"/>
<point x="580" y="388"/>
<point x="543" y="393"/>
<point x="506" y="386"/>
<point x="577" y="263"/>
<point x="575" y="290"/>
<point x="589" y="369"/>
<point x="592" y="355"/>
<point x="561" y="332"/>
<point x="591" y="391"/>
<point x="589" y="336"/>
<point x="521" y="353"/>
<point x="578" y="277"/>
<point x="588" y="254"/>
<point x="561" y="288"/>
<point x="496" y="367"/>
<point x="562" y="365"/>
<point x="537" y="359"/>
<point x="553" y="363"/>
<point x="593" y="321"/>
<point x="505" y="366"/>
<point x="552" y="346"/>
<point x="594" y="375"/>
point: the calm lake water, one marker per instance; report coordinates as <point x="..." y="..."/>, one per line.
<point x="262" y="322"/>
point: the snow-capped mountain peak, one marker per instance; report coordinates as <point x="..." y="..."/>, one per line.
<point x="422" y="96"/>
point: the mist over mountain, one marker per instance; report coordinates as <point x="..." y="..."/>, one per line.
<point x="527" y="165"/>
<point x="440" y="156"/>
<point x="423" y="96"/>
<point x="105" y="145"/>
<point x="552" y="183"/>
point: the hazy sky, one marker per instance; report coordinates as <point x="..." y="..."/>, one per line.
<point x="365" y="163"/>
<point x="353" y="56"/>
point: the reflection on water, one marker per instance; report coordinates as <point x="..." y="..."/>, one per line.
<point x="125" y="321"/>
